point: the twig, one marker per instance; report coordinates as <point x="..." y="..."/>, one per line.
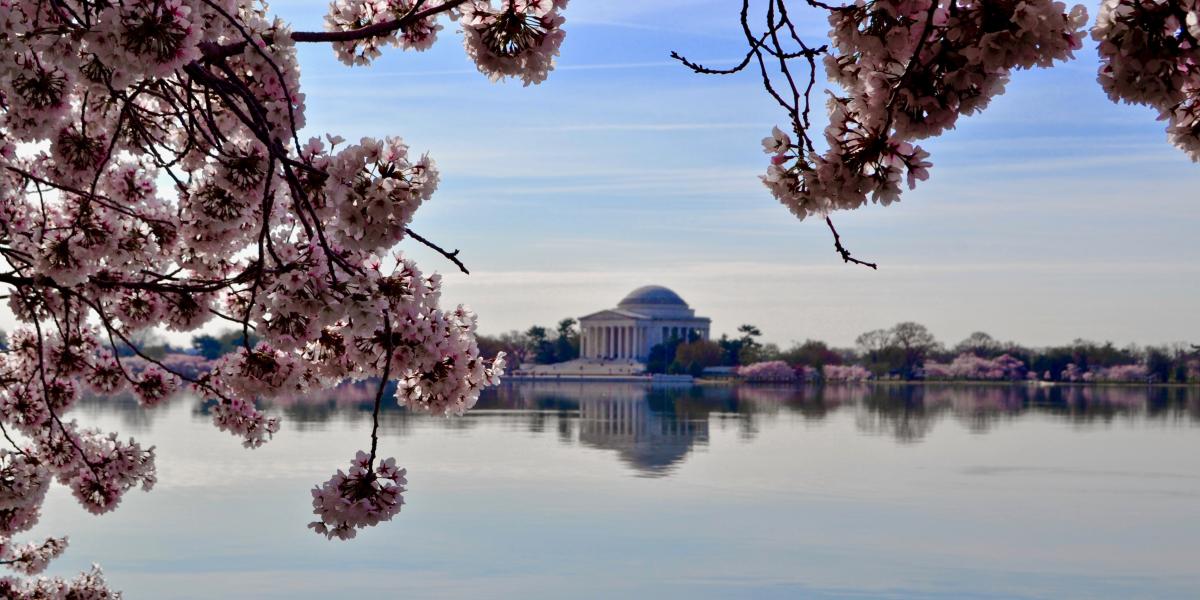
<point x="451" y="256"/>
<point x="846" y="257"/>
<point x="383" y="381"/>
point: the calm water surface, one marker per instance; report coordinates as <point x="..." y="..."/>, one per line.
<point x="623" y="490"/>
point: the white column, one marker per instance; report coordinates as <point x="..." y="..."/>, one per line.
<point x="624" y="342"/>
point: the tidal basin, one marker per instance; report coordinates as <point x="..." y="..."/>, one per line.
<point x="554" y="490"/>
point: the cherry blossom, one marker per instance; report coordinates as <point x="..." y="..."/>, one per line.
<point x="910" y="68"/>
<point x="1149" y="53"/>
<point x="154" y="177"/>
<point x="768" y="371"/>
<point x="906" y="70"/>
<point x="847" y="373"/>
<point x="1116" y="373"/>
<point x="971" y="367"/>
<point x="518" y="39"/>
<point x="361" y="497"/>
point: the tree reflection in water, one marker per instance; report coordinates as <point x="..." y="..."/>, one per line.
<point x="652" y="429"/>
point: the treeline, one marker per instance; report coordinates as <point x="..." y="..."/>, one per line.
<point x="536" y="345"/>
<point x="906" y="351"/>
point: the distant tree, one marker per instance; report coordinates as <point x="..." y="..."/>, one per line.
<point x="207" y="346"/>
<point x="146" y="342"/>
<point x="1159" y="364"/>
<point x="980" y="344"/>
<point x="775" y="371"/>
<point x="3" y="340"/>
<point x="760" y="353"/>
<point x="742" y="348"/>
<point x="915" y="342"/>
<point x="566" y="346"/>
<point x="749" y="332"/>
<point x="538" y="343"/>
<point x="811" y="353"/>
<point x="702" y="353"/>
<point x="873" y="343"/>
<point x="661" y="356"/>
<point x="514" y="344"/>
<point x="213" y="347"/>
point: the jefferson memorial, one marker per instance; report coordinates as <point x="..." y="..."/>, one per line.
<point x="648" y="316"/>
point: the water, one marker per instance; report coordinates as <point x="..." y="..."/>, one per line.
<point x="621" y="490"/>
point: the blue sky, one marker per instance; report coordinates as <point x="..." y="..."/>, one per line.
<point x="1055" y="214"/>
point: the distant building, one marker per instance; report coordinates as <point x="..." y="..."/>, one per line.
<point x="648" y="316"/>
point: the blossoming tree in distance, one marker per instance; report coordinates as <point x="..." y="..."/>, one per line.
<point x="908" y="69"/>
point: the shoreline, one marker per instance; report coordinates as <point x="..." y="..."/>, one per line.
<point x="737" y="382"/>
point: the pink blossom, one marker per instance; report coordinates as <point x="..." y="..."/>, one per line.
<point x="845" y="373"/>
<point x="770" y="371"/>
<point x="359" y="498"/>
<point x="971" y="367"/>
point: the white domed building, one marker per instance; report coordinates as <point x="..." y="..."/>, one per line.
<point x="647" y="316"/>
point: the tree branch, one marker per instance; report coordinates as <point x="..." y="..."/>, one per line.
<point x="214" y="52"/>
<point x="846" y="257"/>
<point x="451" y="256"/>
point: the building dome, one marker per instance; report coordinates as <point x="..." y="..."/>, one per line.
<point x="652" y="295"/>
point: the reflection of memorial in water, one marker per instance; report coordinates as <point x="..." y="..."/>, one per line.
<point x="651" y="429"/>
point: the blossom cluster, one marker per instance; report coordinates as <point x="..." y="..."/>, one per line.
<point x="909" y="69"/>
<point x="518" y="38"/>
<point x="348" y="15"/>
<point x="971" y="367"/>
<point x="362" y="497"/>
<point x="849" y="373"/>
<point x="89" y="585"/>
<point x="767" y="372"/>
<point x="32" y="558"/>
<point x="1116" y="373"/>
<point x="1148" y="55"/>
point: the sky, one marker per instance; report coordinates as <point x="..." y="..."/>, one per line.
<point x="1053" y="215"/>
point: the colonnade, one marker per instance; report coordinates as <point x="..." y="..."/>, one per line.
<point x="631" y="341"/>
<point x="614" y="341"/>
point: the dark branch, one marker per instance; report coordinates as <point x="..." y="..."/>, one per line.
<point x="214" y="52"/>
<point x="451" y="256"/>
<point x="846" y="257"/>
